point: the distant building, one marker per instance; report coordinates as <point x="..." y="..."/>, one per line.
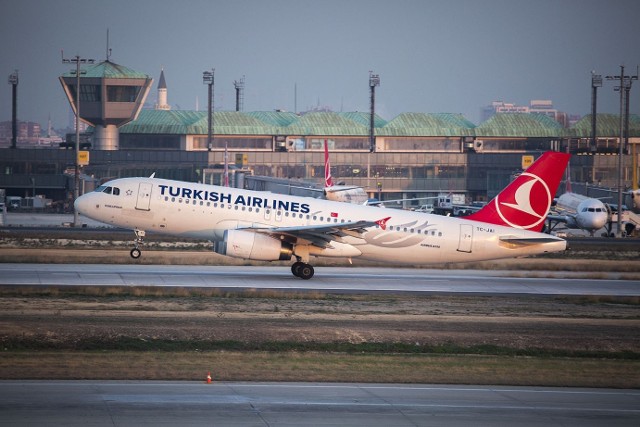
<point x="29" y="133"/>
<point x="536" y="106"/>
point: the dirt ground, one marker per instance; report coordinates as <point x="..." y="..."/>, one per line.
<point x="571" y="325"/>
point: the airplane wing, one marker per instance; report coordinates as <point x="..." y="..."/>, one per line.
<point x="559" y="217"/>
<point x="337" y="190"/>
<point x="320" y="235"/>
<point x="383" y="202"/>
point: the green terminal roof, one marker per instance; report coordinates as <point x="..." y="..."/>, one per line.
<point x="275" y="118"/>
<point x="364" y="119"/>
<point x="606" y="125"/>
<point x="521" y="125"/>
<point x="518" y="125"/>
<point x="422" y="124"/>
<point x="195" y="123"/>
<point x="325" y="123"/>
<point x="109" y="70"/>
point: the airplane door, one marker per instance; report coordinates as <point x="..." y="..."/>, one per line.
<point x="466" y="238"/>
<point x="144" y="196"/>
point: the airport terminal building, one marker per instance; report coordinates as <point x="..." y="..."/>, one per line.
<point x="412" y="155"/>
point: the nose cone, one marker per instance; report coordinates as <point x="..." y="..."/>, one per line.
<point x="81" y="204"/>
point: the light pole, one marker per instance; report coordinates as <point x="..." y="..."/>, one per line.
<point x="239" y="86"/>
<point x="624" y="88"/>
<point x="374" y="80"/>
<point x="596" y="82"/>
<point x="208" y="78"/>
<point x="76" y="184"/>
<point x="13" y="80"/>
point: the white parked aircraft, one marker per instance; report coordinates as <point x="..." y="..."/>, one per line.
<point x="265" y="226"/>
<point x="579" y="212"/>
<point x="339" y="192"/>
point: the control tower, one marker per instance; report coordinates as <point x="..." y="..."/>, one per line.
<point x="110" y="96"/>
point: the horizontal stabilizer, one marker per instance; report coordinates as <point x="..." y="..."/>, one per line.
<point x="524" y="241"/>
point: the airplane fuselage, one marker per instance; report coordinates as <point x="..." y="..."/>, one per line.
<point x="213" y="213"/>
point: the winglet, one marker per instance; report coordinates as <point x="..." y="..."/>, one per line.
<point x="383" y="222"/>
<point x="526" y="201"/>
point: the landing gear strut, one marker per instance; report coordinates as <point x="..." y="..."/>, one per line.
<point x="138" y="241"/>
<point x="302" y="270"/>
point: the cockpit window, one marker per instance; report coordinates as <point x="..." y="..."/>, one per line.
<point x="108" y="190"/>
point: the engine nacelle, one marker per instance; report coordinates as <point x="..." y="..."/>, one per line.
<point x="255" y="246"/>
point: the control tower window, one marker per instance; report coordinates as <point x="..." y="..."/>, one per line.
<point x="88" y="93"/>
<point x="122" y="93"/>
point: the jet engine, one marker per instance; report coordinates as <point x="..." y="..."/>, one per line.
<point x="251" y="245"/>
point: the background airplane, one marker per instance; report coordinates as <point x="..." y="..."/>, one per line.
<point x="578" y="211"/>
<point x="270" y="227"/>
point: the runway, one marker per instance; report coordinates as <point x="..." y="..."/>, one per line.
<point x="330" y="279"/>
<point x="116" y="403"/>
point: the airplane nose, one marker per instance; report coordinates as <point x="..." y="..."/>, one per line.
<point x="80" y="205"/>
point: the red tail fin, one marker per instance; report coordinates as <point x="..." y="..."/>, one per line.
<point x="328" y="182"/>
<point x="526" y="201"/>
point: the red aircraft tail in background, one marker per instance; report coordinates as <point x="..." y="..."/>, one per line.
<point x="328" y="182"/>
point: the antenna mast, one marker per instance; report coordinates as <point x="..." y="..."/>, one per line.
<point x="108" y="48"/>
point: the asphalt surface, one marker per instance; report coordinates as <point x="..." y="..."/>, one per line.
<point x="158" y="403"/>
<point x="335" y="279"/>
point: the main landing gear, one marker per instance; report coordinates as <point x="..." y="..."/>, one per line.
<point x="138" y="241"/>
<point x="302" y="270"/>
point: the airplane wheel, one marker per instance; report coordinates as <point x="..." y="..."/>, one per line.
<point x="295" y="268"/>
<point x="306" y="272"/>
<point x="135" y="253"/>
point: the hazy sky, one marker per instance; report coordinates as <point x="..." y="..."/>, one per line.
<point x="449" y="56"/>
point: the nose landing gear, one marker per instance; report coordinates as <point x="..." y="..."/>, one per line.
<point x="138" y="241"/>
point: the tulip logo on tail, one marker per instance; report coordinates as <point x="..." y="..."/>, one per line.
<point x="528" y="206"/>
<point x="526" y="201"/>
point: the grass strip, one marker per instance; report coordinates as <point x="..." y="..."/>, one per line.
<point x="320" y="367"/>
<point x="130" y="344"/>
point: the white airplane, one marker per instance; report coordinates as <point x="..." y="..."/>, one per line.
<point x="338" y="192"/>
<point x="579" y="212"/>
<point x="351" y="193"/>
<point x="269" y="227"/>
